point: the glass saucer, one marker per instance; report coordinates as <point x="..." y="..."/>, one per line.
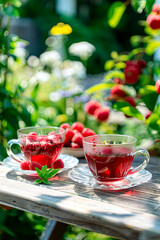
<point x="69" y="162"/>
<point x="82" y="175"/>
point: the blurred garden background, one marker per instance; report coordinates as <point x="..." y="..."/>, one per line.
<point x="56" y="56"/>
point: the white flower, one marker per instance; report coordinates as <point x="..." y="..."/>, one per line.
<point x="42" y="76"/>
<point x="73" y="69"/>
<point x="50" y="57"/>
<point x="33" y="61"/>
<point x="20" y="52"/>
<point x="82" y="49"/>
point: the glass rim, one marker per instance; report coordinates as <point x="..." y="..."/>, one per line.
<point x="112" y="144"/>
<point x="39" y="127"/>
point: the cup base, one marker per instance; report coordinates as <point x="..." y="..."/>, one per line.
<point x="82" y="175"/>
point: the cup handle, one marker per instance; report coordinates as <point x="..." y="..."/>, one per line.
<point x="9" y="150"/>
<point x="145" y="153"/>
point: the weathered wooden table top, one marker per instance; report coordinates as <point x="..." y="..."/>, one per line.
<point x="129" y="214"/>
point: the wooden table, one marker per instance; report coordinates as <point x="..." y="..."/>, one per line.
<point x="129" y="214"/>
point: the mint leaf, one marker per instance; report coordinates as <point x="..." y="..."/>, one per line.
<point x="39" y="172"/>
<point x="44" y="171"/>
<point x="46" y="181"/>
<point x="52" y="173"/>
<point x="45" y="174"/>
<point x="37" y="181"/>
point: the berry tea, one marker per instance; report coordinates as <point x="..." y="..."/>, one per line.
<point x="43" y="149"/>
<point x="109" y="166"/>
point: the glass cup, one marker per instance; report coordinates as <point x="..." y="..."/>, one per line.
<point x="110" y="156"/>
<point x="38" y="144"/>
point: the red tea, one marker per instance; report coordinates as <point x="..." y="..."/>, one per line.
<point x="109" y="167"/>
<point x="43" y="149"/>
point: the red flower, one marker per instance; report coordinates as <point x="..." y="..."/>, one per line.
<point x="153" y="20"/>
<point x="157" y="86"/>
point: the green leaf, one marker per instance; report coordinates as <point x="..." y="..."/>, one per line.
<point x="120" y="65"/>
<point x="37" y="181"/>
<point x="44" y="171"/>
<point x="115" y="13"/>
<point x="149" y="4"/>
<point x="135" y="40"/>
<point x="109" y="65"/>
<point x="129" y="90"/>
<point x="154" y="120"/>
<point x="10" y="11"/>
<point x="152" y="46"/>
<point x="39" y="172"/>
<point x="147" y="93"/>
<point x="46" y="181"/>
<point x="52" y="173"/>
<point x="35" y="91"/>
<point x="16" y="3"/>
<point x="138" y="5"/>
<point x="99" y="87"/>
<point x="128" y="110"/>
<point x="113" y="74"/>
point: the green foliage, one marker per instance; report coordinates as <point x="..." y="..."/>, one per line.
<point x="128" y="110"/>
<point x="115" y="13"/>
<point x="140" y="5"/>
<point x="45" y="174"/>
<point x="74" y="232"/>
<point x="14" y="224"/>
<point x="154" y="120"/>
<point x="99" y="87"/>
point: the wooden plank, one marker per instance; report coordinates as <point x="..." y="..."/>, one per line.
<point x="94" y="215"/>
<point x="130" y="214"/>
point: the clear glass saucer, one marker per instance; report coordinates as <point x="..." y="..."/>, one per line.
<point x="82" y="175"/>
<point x="69" y="162"/>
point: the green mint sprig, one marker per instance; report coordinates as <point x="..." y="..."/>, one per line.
<point x="45" y="174"/>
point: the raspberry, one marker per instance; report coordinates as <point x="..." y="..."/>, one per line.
<point x="34" y="165"/>
<point x="131" y="74"/>
<point x="75" y="131"/>
<point x="74" y="145"/>
<point x="156" y="8"/>
<point x="91" y="106"/>
<point x="25" y="165"/>
<point x="117" y="90"/>
<point x="65" y="125"/>
<point x="130" y="100"/>
<point x="157" y="86"/>
<point x="153" y="20"/>
<point x="32" y="136"/>
<point x="77" y="126"/>
<point x="87" y="132"/>
<point x="102" y="114"/>
<point x="68" y="137"/>
<point x="77" y="138"/>
<point x="58" y="164"/>
<point x="148" y="114"/>
<point x="118" y="81"/>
